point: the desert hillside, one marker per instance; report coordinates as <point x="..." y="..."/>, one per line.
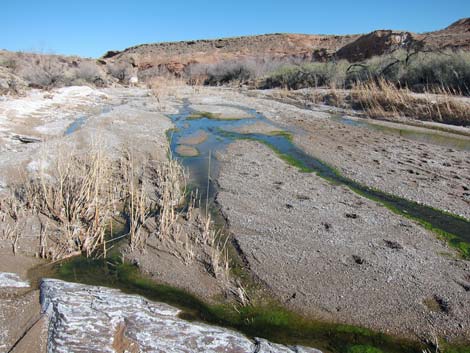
<point x="176" y="56"/>
<point x="192" y="60"/>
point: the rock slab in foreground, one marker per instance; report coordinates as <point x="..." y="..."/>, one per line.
<point x="96" y="319"/>
<point x="12" y="280"/>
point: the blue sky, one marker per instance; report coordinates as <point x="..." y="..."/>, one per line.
<point x="89" y="28"/>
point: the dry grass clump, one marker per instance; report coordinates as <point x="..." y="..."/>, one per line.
<point x="75" y="200"/>
<point x="160" y="214"/>
<point x="384" y="99"/>
<point x="77" y="197"/>
<point x="73" y="203"/>
<point x="152" y="191"/>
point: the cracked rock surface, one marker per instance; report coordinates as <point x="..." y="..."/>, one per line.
<point x="95" y="319"/>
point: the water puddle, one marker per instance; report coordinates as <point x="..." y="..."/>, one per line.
<point x="80" y="121"/>
<point x="75" y="125"/>
<point x="202" y="168"/>
<point x="410" y="133"/>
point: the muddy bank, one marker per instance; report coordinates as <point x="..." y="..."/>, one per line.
<point x="22" y="328"/>
<point x="327" y="252"/>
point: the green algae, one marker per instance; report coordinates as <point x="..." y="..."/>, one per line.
<point x="267" y="319"/>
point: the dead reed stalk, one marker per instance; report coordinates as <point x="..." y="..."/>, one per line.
<point x="381" y="99"/>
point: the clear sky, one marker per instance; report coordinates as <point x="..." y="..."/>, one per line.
<point x="91" y="27"/>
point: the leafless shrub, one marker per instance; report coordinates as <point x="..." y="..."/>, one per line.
<point x="44" y="71"/>
<point x="120" y="70"/>
<point x="89" y="72"/>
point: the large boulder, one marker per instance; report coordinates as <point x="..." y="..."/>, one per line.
<point x="94" y="319"/>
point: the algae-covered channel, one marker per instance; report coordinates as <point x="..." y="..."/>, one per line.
<point x="220" y="133"/>
<point x="208" y="136"/>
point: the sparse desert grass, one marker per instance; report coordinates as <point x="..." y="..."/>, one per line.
<point x="384" y="99"/>
<point x="165" y="86"/>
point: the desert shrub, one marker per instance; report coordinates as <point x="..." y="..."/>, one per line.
<point x="44" y="71"/>
<point x="228" y="71"/>
<point x="9" y="63"/>
<point x="314" y="74"/>
<point x="237" y="71"/>
<point x="419" y="71"/>
<point x="388" y="66"/>
<point x="89" y="72"/>
<point x="434" y="70"/>
<point x="120" y="70"/>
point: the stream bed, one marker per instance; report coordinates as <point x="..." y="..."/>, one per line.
<point x="220" y="133"/>
<point x="211" y="136"/>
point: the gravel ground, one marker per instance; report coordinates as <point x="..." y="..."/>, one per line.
<point x="327" y="252"/>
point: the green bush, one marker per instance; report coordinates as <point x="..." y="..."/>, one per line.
<point x="226" y="72"/>
<point x="332" y="74"/>
<point x="431" y="71"/>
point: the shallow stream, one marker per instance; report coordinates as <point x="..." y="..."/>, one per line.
<point x="220" y="133"/>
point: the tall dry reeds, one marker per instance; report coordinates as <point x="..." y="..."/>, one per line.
<point x="74" y="201"/>
<point x="152" y="190"/>
<point x="76" y="198"/>
<point x="383" y="99"/>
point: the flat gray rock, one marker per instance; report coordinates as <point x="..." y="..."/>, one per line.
<point x="12" y="280"/>
<point x="96" y="319"/>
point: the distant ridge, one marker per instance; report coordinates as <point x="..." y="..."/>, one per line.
<point x="176" y="56"/>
